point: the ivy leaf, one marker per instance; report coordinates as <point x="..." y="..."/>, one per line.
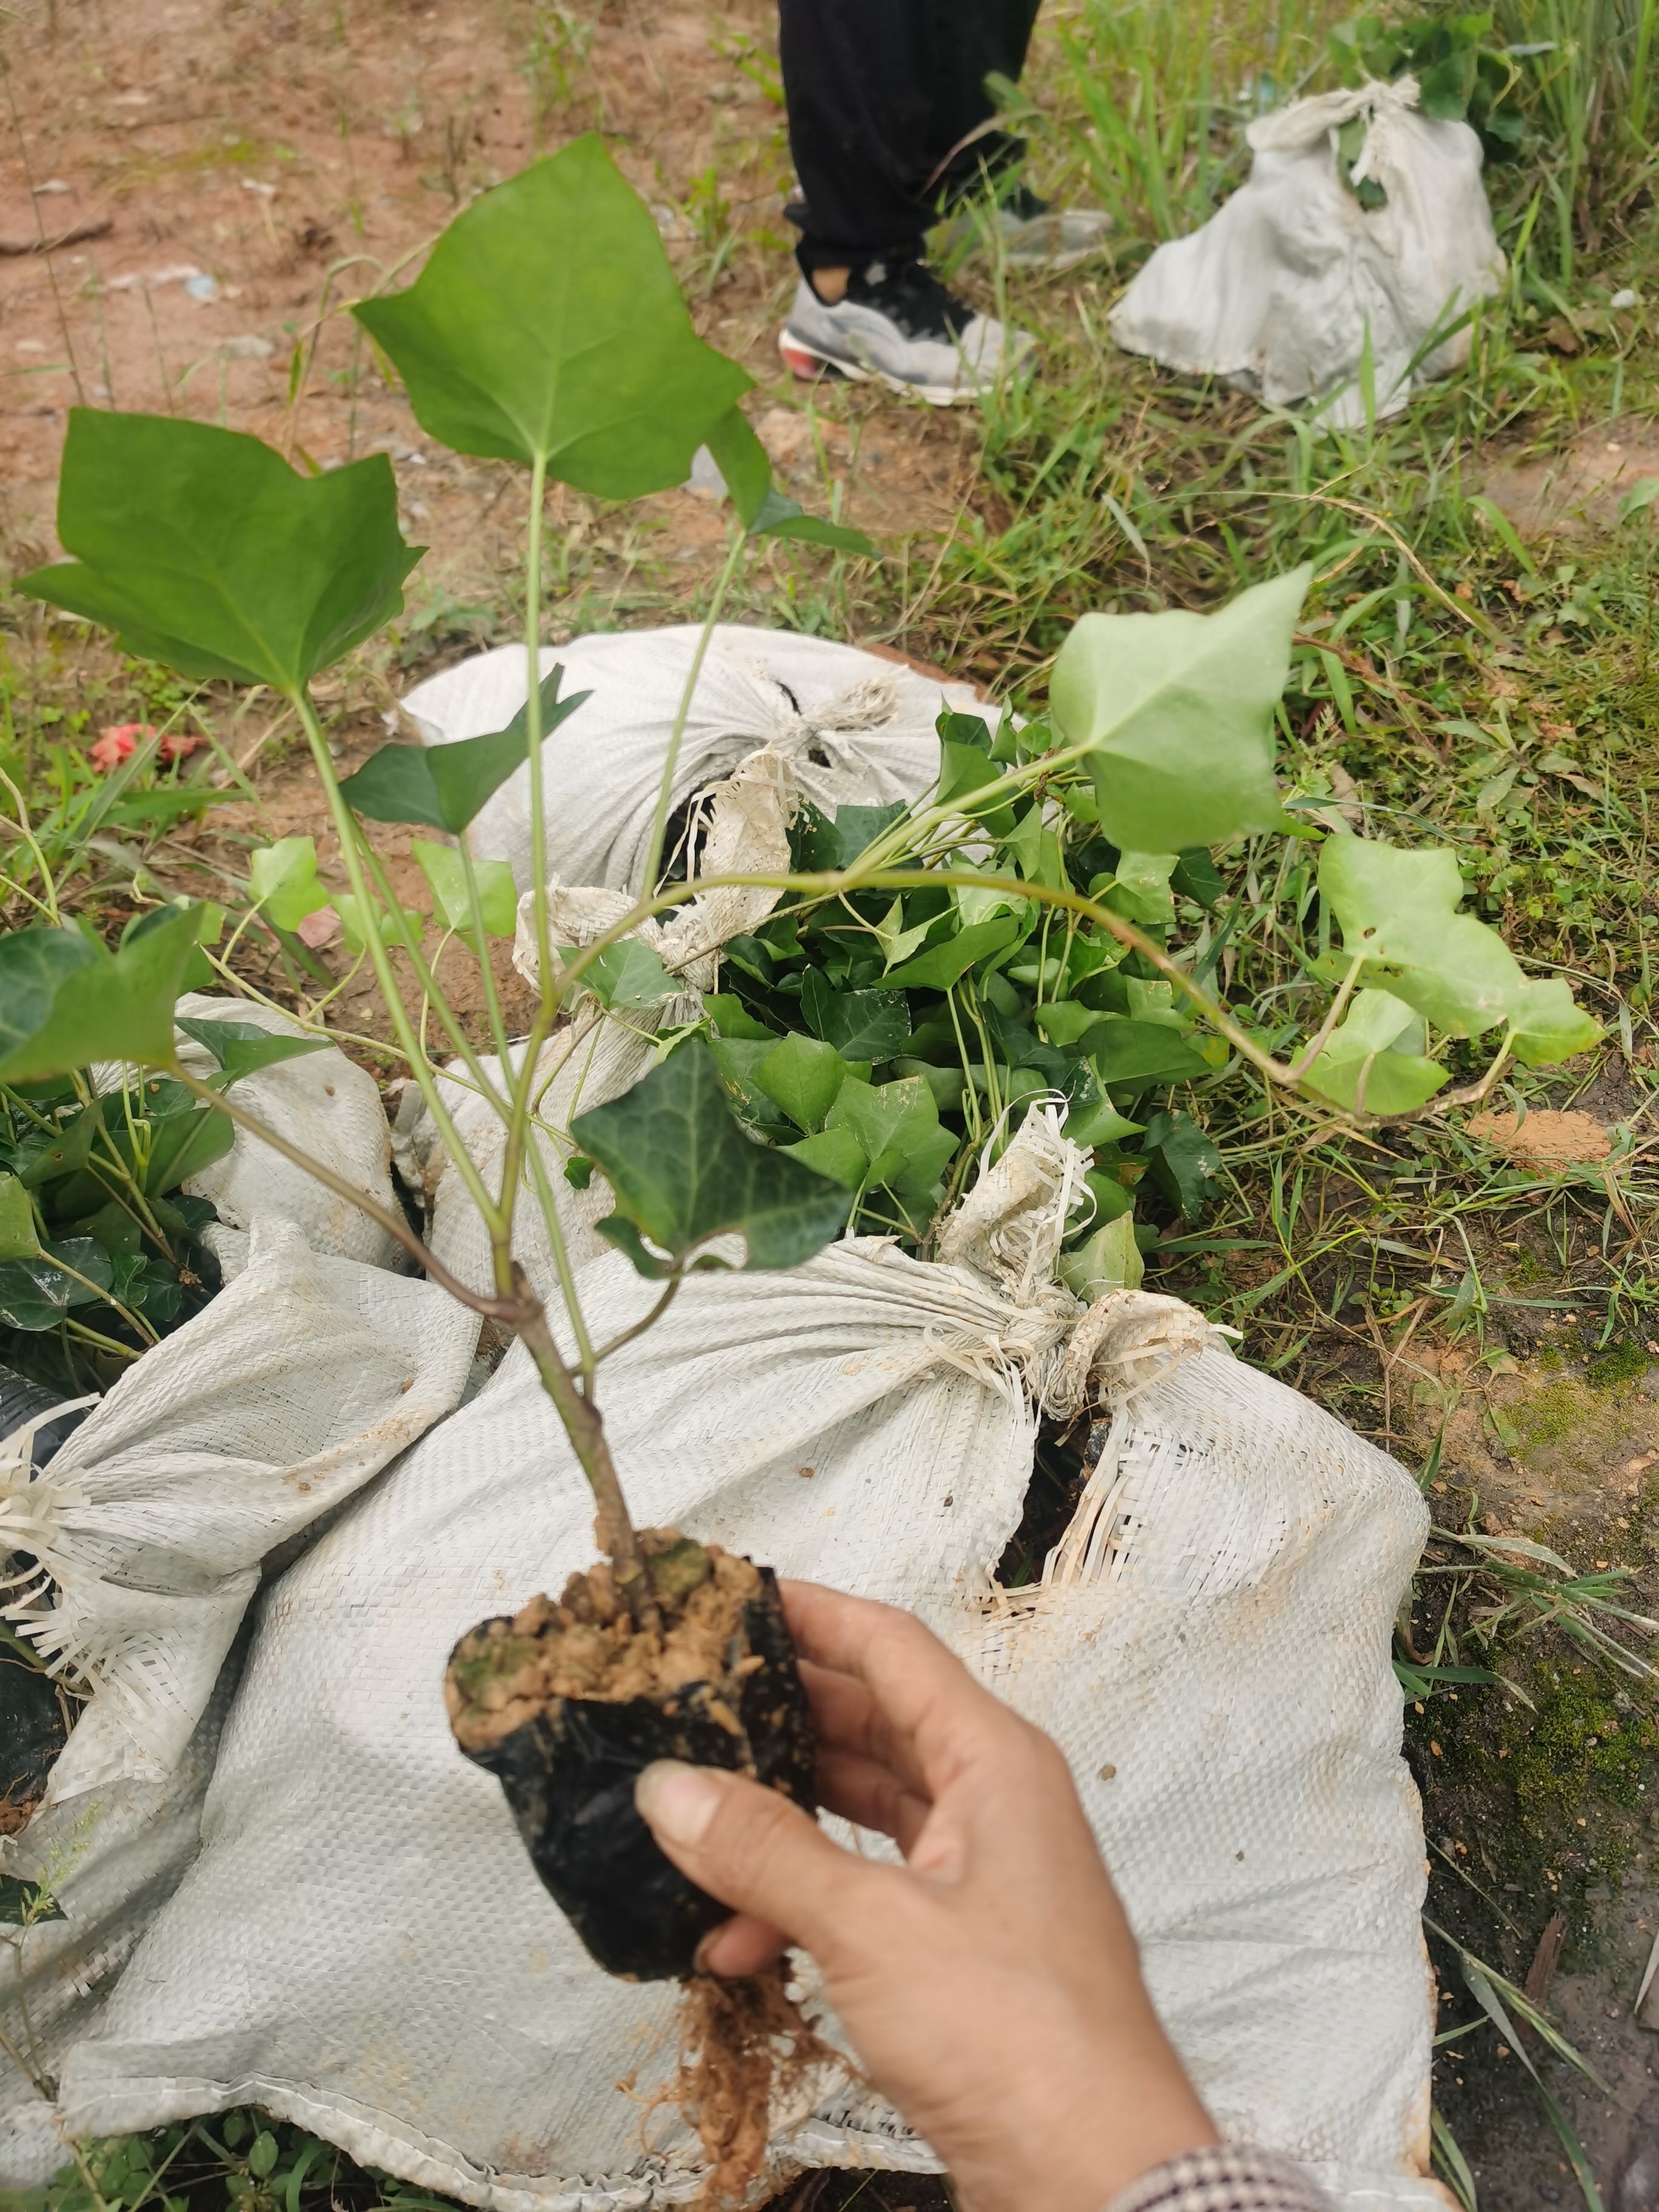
<point x="1140" y="888"/>
<point x="732" y="1019"/>
<point x="66" y="1000"/>
<point x="682" y="1171"/>
<point x="284" y="881"/>
<point x="1371" y="1063"/>
<point x="897" y="1127"/>
<point x="242" y="1048"/>
<point x="869" y="1025"/>
<point x="1125" y="1051"/>
<point x="763" y="511"/>
<point x="833" y="1152"/>
<point x="802" y="1075"/>
<point x="896" y="942"/>
<point x="198" y="973"/>
<point x="446" y="787"/>
<point x="628" y="975"/>
<point x="40" y="1159"/>
<point x="202" y="549"/>
<point x="445" y="870"/>
<point x="356" y="924"/>
<point x="184" y="1144"/>
<point x="963" y="770"/>
<point x="942" y="965"/>
<point x="18" y="1239"/>
<point x="819" y="843"/>
<point x="34" y="1295"/>
<point x="1400" y="908"/>
<point x="1183" y="1162"/>
<point x="1177" y="711"/>
<point x="547" y="324"/>
<point x="1110" y="1261"/>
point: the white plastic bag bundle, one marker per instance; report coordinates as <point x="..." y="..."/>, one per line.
<point x="1285" y="288"/>
<point x="361" y="1945"/>
<point x="852" y="727"/>
<point x="306" y="1374"/>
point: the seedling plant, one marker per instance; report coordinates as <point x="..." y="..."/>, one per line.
<point x="1048" y="925"/>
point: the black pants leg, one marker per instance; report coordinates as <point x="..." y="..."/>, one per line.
<point x="880" y="95"/>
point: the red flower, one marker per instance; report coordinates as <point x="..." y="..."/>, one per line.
<point x="121" y="739"/>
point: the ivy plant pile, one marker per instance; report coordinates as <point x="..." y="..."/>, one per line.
<point x="1050" y="922"/>
<point x="99" y="1249"/>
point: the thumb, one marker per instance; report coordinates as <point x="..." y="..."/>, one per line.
<point x="751" y="1847"/>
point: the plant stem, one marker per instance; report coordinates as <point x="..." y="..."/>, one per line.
<point x="533" y="704"/>
<point x="345" y="830"/>
<point x="672" y="758"/>
<point x="613" y="1527"/>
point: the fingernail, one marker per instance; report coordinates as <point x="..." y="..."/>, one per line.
<point x="677" y="1801"/>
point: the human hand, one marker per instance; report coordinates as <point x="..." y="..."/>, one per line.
<point x="990" y="1985"/>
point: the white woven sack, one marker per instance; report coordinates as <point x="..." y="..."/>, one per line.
<point x="304" y="1377"/>
<point x="328" y="1107"/>
<point x="853" y="728"/>
<point x="1281" y="289"/>
<point x="362" y="1947"/>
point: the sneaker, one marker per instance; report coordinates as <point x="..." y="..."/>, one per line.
<point x="1031" y="234"/>
<point x="899" y="325"/>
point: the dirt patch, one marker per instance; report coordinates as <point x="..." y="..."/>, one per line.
<point x="1551" y="1139"/>
<point x="585" y="1646"/>
<point x="1577" y="492"/>
<point x="1549" y="1442"/>
<point x="224" y="182"/>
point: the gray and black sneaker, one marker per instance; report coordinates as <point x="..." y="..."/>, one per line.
<point x="1029" y="233"/>
<point x="899" y="325"/>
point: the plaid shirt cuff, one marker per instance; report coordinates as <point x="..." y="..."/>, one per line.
<point x="1224" y="2178"/>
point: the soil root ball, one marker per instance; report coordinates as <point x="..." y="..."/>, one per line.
<point x="566" y="1703"/>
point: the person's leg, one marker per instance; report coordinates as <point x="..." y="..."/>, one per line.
<point x="887" y="111"/>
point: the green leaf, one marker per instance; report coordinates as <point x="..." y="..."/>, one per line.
<point x="1400" y="908"/>
<point x="1065" y="1022"/>
<point x="284" y="881"/>
<point x="1184" y="1161"/>
<point x="962" y="771"/>
<point x="942" y="965"/>
<point x="18" y="1239"/>
<point x="34" y="1295"/>
<point x="24" y="1903"/>
<point x="262" y="2154"/>
<point x="1100" y="1125"/>
<point x="1177" y="711"/>
<point x="1140" y="888"/>
<point x="803" y="1076"/>
<point x="898" y="1128"/>
<point x="185" y="1144"/>
<point x="65" y="1000"/>
<point x="1111" y="1260"/>
<point x="242" y="1048"/>
<point x="869" y="1025"/>
<point x="833" y="1152"/>
<point x="896" y="942"/>
<point x="1369" y="1064"/>
<point x="445" y="870"/>
<point x="628" y="975"/>
<point x="682" y="1171"/>
<point x="738" y="1058"/>
<point x="446" y="787"/>
<point x="1638" y="498"/>
<point x="763" y="511"/>
<point x="198" y="973"/>
<point x="202" y="549"/>
<point x="548" y="322"/>
<point x="1125" y="1051"/>
<point x="732" y="1019"/>
<point x="356" y="924"/>
<point x="819" y="843"/>
<point x="40" y="1159"/>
